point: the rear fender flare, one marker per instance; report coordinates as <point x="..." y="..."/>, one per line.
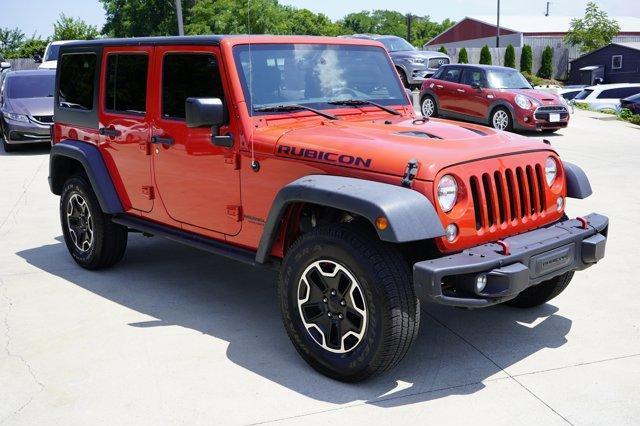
<point x="410" y="214"/>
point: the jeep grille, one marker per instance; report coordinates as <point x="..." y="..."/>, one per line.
<point x="507" y="196"/>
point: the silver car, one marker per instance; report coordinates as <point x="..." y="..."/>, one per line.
<point x="413" y="65"/>
<point x="26" y="105"/>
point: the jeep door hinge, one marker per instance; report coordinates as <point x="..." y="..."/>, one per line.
<point x="410" y="173"/>
<point x="233" y="160"/>
<point x="235" y="212"/>
<point x="147" y="192"/>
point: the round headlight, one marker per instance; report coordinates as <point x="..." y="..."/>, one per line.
<point x="447" y="192"/>
<point x="523" y="102"/>
<point x="550" y="170"/>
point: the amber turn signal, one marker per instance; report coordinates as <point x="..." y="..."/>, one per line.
<point x="382" y="223"/>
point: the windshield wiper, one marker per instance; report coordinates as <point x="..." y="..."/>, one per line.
<point x="294" y="107"/>
<point x="361" y="102"/>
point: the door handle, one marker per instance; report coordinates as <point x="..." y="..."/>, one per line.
<point x="460" y="90"/>
<point x="225" y="141"/>
<point x="112" y="133"/>
<point x="160" y="140"/>
<point x="439" y="86"/>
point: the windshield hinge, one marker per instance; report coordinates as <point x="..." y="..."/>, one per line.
<point x="410" y="173"/>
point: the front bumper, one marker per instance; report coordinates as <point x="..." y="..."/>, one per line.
<point x="540" y="120"/>
<point x="534" y="257"/>
<point x="417" y="73"/>
<point x="18" y="132"/>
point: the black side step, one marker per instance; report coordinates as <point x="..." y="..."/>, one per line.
<point x="202" y="243"/>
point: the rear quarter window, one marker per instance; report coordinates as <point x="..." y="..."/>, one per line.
<point x="77" y="81"/>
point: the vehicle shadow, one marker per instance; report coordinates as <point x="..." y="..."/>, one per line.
<point x="31" y="149"/>
<point x="181" y="286"/>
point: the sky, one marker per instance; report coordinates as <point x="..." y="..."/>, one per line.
<point x="15" y="13"/>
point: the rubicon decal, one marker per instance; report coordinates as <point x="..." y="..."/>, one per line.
<point x="330" y="157"/>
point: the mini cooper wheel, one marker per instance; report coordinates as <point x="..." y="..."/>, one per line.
<point x="501" y="119"/>
<point x="347" y="302"/>
<point x="92" y="239"/>
<point x="428" y="107"/>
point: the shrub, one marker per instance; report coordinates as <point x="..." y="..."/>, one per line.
<point x="526" y="59"/>
<point x="463" y="56"/>
<point x="510" y="57"/>
<point x="443" y="50"/>
<point x="546" y="68"/>
<point x="485" y="56"/>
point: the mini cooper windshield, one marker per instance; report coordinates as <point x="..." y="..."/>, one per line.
<point x="317" y="76"/>
<point x="506" y="79"/>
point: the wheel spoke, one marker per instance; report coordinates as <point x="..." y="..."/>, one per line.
<point x="312" y="311"/>
<point x="335" y="335"/>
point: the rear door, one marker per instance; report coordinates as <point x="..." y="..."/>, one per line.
<point x="447" y="88"/>
<point x="124" y="126"/>
<point x="198" y="182"/>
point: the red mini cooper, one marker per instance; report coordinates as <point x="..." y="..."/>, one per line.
<point x="498" y="96"/>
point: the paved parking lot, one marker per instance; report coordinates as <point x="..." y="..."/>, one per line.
<point x="172" y="335"/>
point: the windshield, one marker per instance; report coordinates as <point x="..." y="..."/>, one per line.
<point x="52" y="52"/>
<point x="506" y="79"/>
<point x="583" y="94"/>
<point x="30" y="86"/>
<point x="315" y="75"/>
<point x="396" y="44"/>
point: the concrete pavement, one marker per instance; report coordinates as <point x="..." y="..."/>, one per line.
<point x="172" y="335"/>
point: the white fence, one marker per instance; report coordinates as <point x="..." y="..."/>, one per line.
<point x="22" y="64"/>
<point x="560" y="58"/>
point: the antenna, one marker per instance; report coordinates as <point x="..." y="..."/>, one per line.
<point x="255" y="166"/>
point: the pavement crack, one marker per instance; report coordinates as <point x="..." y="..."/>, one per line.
<point x="10" y="354"/>
<point x="14" y="208"/>
<point x="499" y="367"/>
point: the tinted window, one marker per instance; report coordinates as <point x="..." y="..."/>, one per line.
<point x="77" y="77"/>
<point x="451" y="74"/>
<point x="572" y="94"/>
<point x="185" y="76"/>
<point x="126" y="85"/>
<point x="316" y="75"/>
<point x="396" y="44"/>
<point x="584" y="94"/>
<point x="52" y="52"/>
<point x="619" y="93"/>
<point x="31" y="86"/>
<point x="471" y="76"/>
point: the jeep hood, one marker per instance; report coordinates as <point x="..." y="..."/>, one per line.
<point x="386" y="148"/>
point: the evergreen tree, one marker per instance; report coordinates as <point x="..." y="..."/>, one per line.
<point x="485" y="56"/>
<point x="526" y="59"/>
<point x="510" y="57"/>
<point x="546" y="68"/>
<point x="443" y="50"/>
<point x="463" y="56"/>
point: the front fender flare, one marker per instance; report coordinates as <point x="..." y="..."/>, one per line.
<point x="410" y="214"/>
<point x="578" y="185"/>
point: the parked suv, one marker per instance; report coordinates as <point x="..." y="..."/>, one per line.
<point x="498" y="96"/>
<point x="303" y="154"/>
<point x="606" y="97"/>
<point x="413" y="65"/>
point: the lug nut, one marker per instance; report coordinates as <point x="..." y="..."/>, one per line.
<point x="340" y="316"/>
<point x="324" y="299"/>
<point x="333" y="292"/>
<point x="343" y="303"/>
<point x="329" y="314"/>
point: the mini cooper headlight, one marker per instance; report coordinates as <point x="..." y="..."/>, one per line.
<point x="447" y="193"/>
<point x="550" y="170"/>
<point x="523" y="102"/>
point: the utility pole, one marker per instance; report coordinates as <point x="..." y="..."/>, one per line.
<point x="179" y="14"/>
<point x="409" y="21"/>
<point x="498" y="26"/>
<point x="547" y="12"/>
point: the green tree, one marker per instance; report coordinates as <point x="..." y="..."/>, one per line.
<point x="69" y="28"/>
<point x="593" y="30"/>
<point x="10" y="41"/>
<point x="32" y="46"/>
<point x="139" y="18"/>
<point x="463" y="56"/>
<point x="546" y="67"/>
<point x="510" y="57"/>
<point x="526" y="59"/>
<point x="485" y="56"/>
<point x="443" y="50"/>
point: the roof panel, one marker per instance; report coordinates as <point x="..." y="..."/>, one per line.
<point x="549" y="24"/>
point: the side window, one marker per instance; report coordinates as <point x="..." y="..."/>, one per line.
<point x="77" y="80"/>
<point x="126" y="83"/>
<point x="471" y="76"/>
<point x="629" y="91"/>
<point x="186" y="75"/>
<point x="451" y="74"/>
<point x="438" y="74"/>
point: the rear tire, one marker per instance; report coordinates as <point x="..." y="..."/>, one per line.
<point x="428" y="106"/>
<point x="403" y="77"/>
<point x="366" y="315"/>
<point x="541" y="293"/>
<point x="93" y="240"/>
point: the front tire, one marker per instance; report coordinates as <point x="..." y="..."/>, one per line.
<point x="93" y="240"/>
<point x="541" y="293"/>
<point x="347" y="302"/>
<point x="501" y="119"/>
<point x="7" y="147"/>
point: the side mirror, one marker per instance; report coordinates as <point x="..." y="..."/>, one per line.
<point x="37" y="59"/>
<point x="5" y="65"/>
<point x="476" y="85"/>
<point x="204" y="112"/>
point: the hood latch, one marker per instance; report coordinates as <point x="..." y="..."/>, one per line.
<point x="410" y="173"/>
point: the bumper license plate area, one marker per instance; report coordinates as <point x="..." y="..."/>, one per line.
<point x="546" y="263"/>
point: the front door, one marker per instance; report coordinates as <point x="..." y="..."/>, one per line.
<point x="478" y="99"/>
<point x="198" y="182"/>
<point x="124" y="125"/>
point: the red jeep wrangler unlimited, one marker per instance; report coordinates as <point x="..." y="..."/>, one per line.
<point x="304" y="154"/>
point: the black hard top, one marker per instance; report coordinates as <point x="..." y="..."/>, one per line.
<point x="146" y="41"/>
